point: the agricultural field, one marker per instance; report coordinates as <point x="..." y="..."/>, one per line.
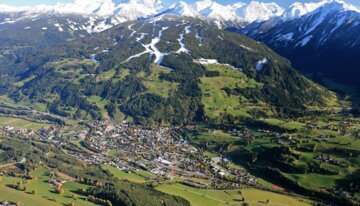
<point x="321" y="153"/>
<point x="217" y="136"/>
<point x="138" y="177"/>
<point x="21" y="123"/>
<point x="45" y="194"/>
<point x="202" y="197"/>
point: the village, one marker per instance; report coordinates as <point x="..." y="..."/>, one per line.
<point x="130" y="148"/>
<point x="161" y="152"/>
<point x="166" y="154"/>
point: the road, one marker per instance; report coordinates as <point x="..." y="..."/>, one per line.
<point x="21" y="162"/>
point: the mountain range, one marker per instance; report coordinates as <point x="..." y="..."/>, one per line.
<point x="116" y="11"/>
<point x="323" y="43"/>
<point x="163" y="70"/>
<point x="137" y="53"/>
<point x="248" y="83"/>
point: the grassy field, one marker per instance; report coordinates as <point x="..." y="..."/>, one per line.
<point x="201" y="197"/>
<point x="100" y="103"/>
<point x="306" y="142"/>
<point x="21" y="83"/>
<point x="74" y="68"/>
<point x="284" y="124"/>
<point x="217" y="101"/>
<point x="132" y="177"/>
<point x="210" y="155"/>
<point x="45" y="193"/>
<point x="157" y="86"/>
<point x="21" y="123"/>
<point x="313" y="181"/>
<point x="213" y="136"/>
<point x="106" y="75"/>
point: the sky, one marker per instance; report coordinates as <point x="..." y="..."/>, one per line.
<point x="283" y="3"/>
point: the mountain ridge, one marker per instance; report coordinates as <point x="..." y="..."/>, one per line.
<point x="120" y="11"/>
<point x="161" y="70"/>
<point x="323" y="43"/>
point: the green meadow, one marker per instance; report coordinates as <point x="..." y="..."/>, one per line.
<point x="203" y="197"/>
<point x="217" y="101"/>
<point x="45" y="194"/>
<point x="21" y="123"/>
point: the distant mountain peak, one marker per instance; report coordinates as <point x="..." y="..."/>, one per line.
<point x="183" y="9"/>
<point x="298" y="9"/>
<point x="259" y="11"/>
<point x="237" y="14"/>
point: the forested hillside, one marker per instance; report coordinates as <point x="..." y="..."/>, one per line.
<point x="155" y="72"/>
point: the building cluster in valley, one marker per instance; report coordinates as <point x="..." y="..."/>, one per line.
<point x="160" y="151"/>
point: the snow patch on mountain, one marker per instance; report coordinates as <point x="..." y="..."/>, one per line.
<point x="204" y="61"/>
<point x="182" y="45"/>
<point x="151" y="49"/>
<point x="131" y="29"/>
<point x="207" y="61"/>
<point x="286" y="37"/>
<point x="304" y="41"/>
<point x="198" y="37"/>
<point x="260" y="64"/>
<point x="142" y="36"/>
<point x="187" y="29"/>
<point x="59" y="28"/>
<point x="158" y="54"/>
<point x="246" y="47"/>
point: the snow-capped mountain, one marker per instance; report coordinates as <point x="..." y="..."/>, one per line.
<point x="181" y="8"/>
<point x="257" y="17"/>
<point x="119" y="11"/>
<point x="329" y="22"/>
<point x="321" y="38"/>
<point x="258" y="11"/>
<point x="214" y="11"/>
<point x="299" y="9"/>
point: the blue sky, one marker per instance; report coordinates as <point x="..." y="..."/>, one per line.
<point x="283" y="3"/>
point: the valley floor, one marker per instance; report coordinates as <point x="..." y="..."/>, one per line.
<point x="209" y="166"/>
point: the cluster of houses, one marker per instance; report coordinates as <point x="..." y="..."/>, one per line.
<point x="14" y="132"/>
<point x="130" y="148"/>
<point x="153" y="149"/>
<point x="328" y="159"/>
<point x="244" y="133"/>
<point x="351" y="127"/>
